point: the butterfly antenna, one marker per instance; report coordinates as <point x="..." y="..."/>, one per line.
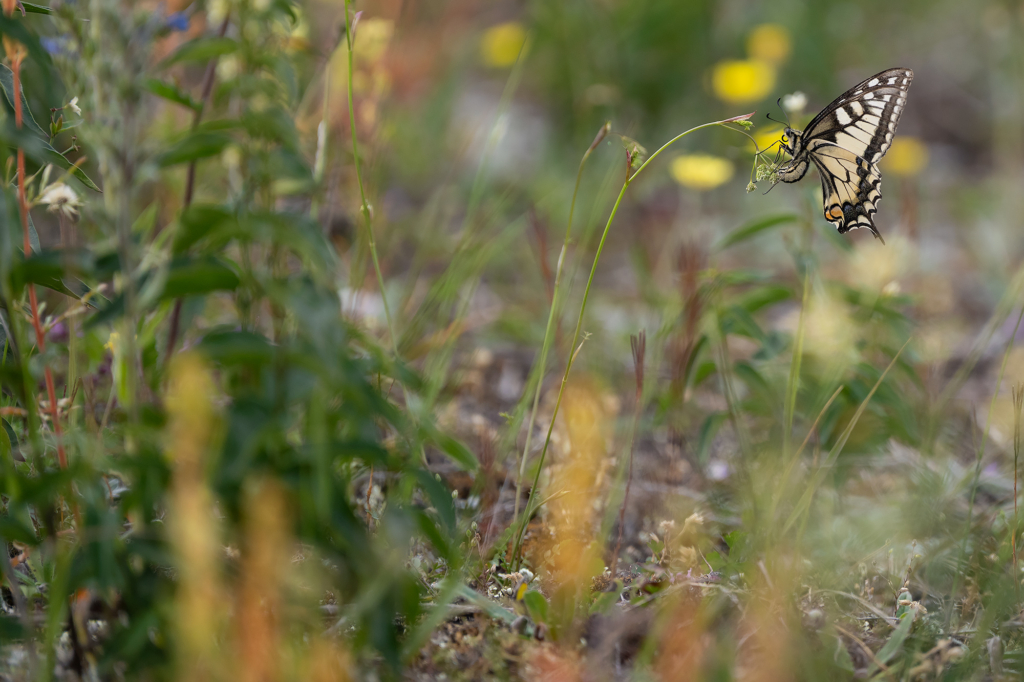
<point x="784" y="112"/>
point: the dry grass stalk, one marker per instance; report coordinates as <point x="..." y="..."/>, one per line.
<point x="199" y="609"/>
<point x="266" y="553"/>
<point x="638" y="343"/>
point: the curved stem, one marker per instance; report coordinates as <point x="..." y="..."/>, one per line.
<point x="364" y="205"/>
<point x="583" y="308"/>
<point x="548" y="336"/>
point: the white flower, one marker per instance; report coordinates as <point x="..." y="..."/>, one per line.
<point x="73" y="106"/>
<point x="61" y="198"/>
<point x="794" y="102"/>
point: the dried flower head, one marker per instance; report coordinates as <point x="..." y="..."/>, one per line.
<point x="61" y="199"/>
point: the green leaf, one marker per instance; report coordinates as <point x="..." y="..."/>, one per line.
<point x="199" y="145"/>
<point x="703" y="371"/>
<point x="54" y="269"/>
<point x="197" y="276"/>
<point x="16" y="28"/>
<point x="440" y="498"/>
<point x="842" y="655"/>
<point x="202" y="50"/>
<point x="751" y="230"/>
<point x="11" y="629"/>
<point x="33" y="8"/>
<point x="45" y="152"/>
<point x="33" y="236"/>
<point x="51" y="155"/>
<point x="462" y="455"/>
<point x="537" y="605"/>
<point x="708" y="429"/>
<point x="237" y="348"/>
<point x="763" y="296"/>
<point x="171" y="93"/>
<point x="198" y="221"/>
<point x="899" y="635"/>
<point x="605" y="600"/>
<point x="7" y="82"/>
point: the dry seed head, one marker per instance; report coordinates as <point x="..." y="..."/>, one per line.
<point x="601" y="134"/>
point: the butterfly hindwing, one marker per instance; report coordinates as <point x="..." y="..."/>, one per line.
<point x="851" y="186"/>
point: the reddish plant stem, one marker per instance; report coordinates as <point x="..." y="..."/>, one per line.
<point x="190" y="178"/>
<point x="51" y="394"/>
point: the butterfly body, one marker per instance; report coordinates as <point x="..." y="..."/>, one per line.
<point x="845" y="142"/>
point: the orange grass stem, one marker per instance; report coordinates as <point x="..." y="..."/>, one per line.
<point x="51" y="394"/>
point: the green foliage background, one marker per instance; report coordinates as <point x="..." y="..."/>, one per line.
<point x="343" y="294"/>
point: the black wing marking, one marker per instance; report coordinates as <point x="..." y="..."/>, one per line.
<point x="851" y="186"/>
<point x="863" y="120"/>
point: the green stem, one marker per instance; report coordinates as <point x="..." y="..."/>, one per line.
<point x="793" y="385"/>
<point x="579" y="322"/>
<point x="365" y="206"/>
<point x="548" y="330"/>
<point x="977" y="468"/>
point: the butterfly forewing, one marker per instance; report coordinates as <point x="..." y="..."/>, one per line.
<point x="846" y="141"/>
<point x="864" y="118"/>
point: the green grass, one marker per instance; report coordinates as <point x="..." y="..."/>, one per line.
<point x="282" y="467"/>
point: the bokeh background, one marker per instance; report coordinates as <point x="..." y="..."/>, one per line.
<point x="744" y="553"/>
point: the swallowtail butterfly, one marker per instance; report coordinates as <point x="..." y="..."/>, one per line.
<point x="845" y="142"/>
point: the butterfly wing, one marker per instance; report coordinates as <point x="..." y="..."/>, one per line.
<point x="846" y="141"/>
<point x="863" y="119"/>
<point x="851" y="186"/>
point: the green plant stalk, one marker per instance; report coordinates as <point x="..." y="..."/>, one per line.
<point x="804" y="503"/>
<point x="1003" y="309"/>
<point x="364" y="206"/>
<point x="549" y="329"/>
<point x="977" y="468"/>
<point x="1018" y="404"/>
<point x="583" y="308"/>
<point x="780" y="489"/>
<point x="793" y="385"/>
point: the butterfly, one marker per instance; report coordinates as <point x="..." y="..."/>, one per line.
<point x="845" y="143"/>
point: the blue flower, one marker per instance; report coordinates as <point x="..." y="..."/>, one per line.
<point x="177" y="21"/>
<point x="55" y="46"/>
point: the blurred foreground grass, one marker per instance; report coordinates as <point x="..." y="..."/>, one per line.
<point x="337" y="402"/>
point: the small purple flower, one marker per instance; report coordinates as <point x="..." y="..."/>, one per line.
<point x="56" y="45"/>
<point x="178" y="21"/>
<point x="59" y="333"/>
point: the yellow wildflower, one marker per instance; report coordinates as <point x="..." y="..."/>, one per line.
<point x="743" y="80"/>
<point x="907" y="157"/>
<point x="701" y="171"/>
<point x="501" y="44"/>
<point x="769" y="43"/>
